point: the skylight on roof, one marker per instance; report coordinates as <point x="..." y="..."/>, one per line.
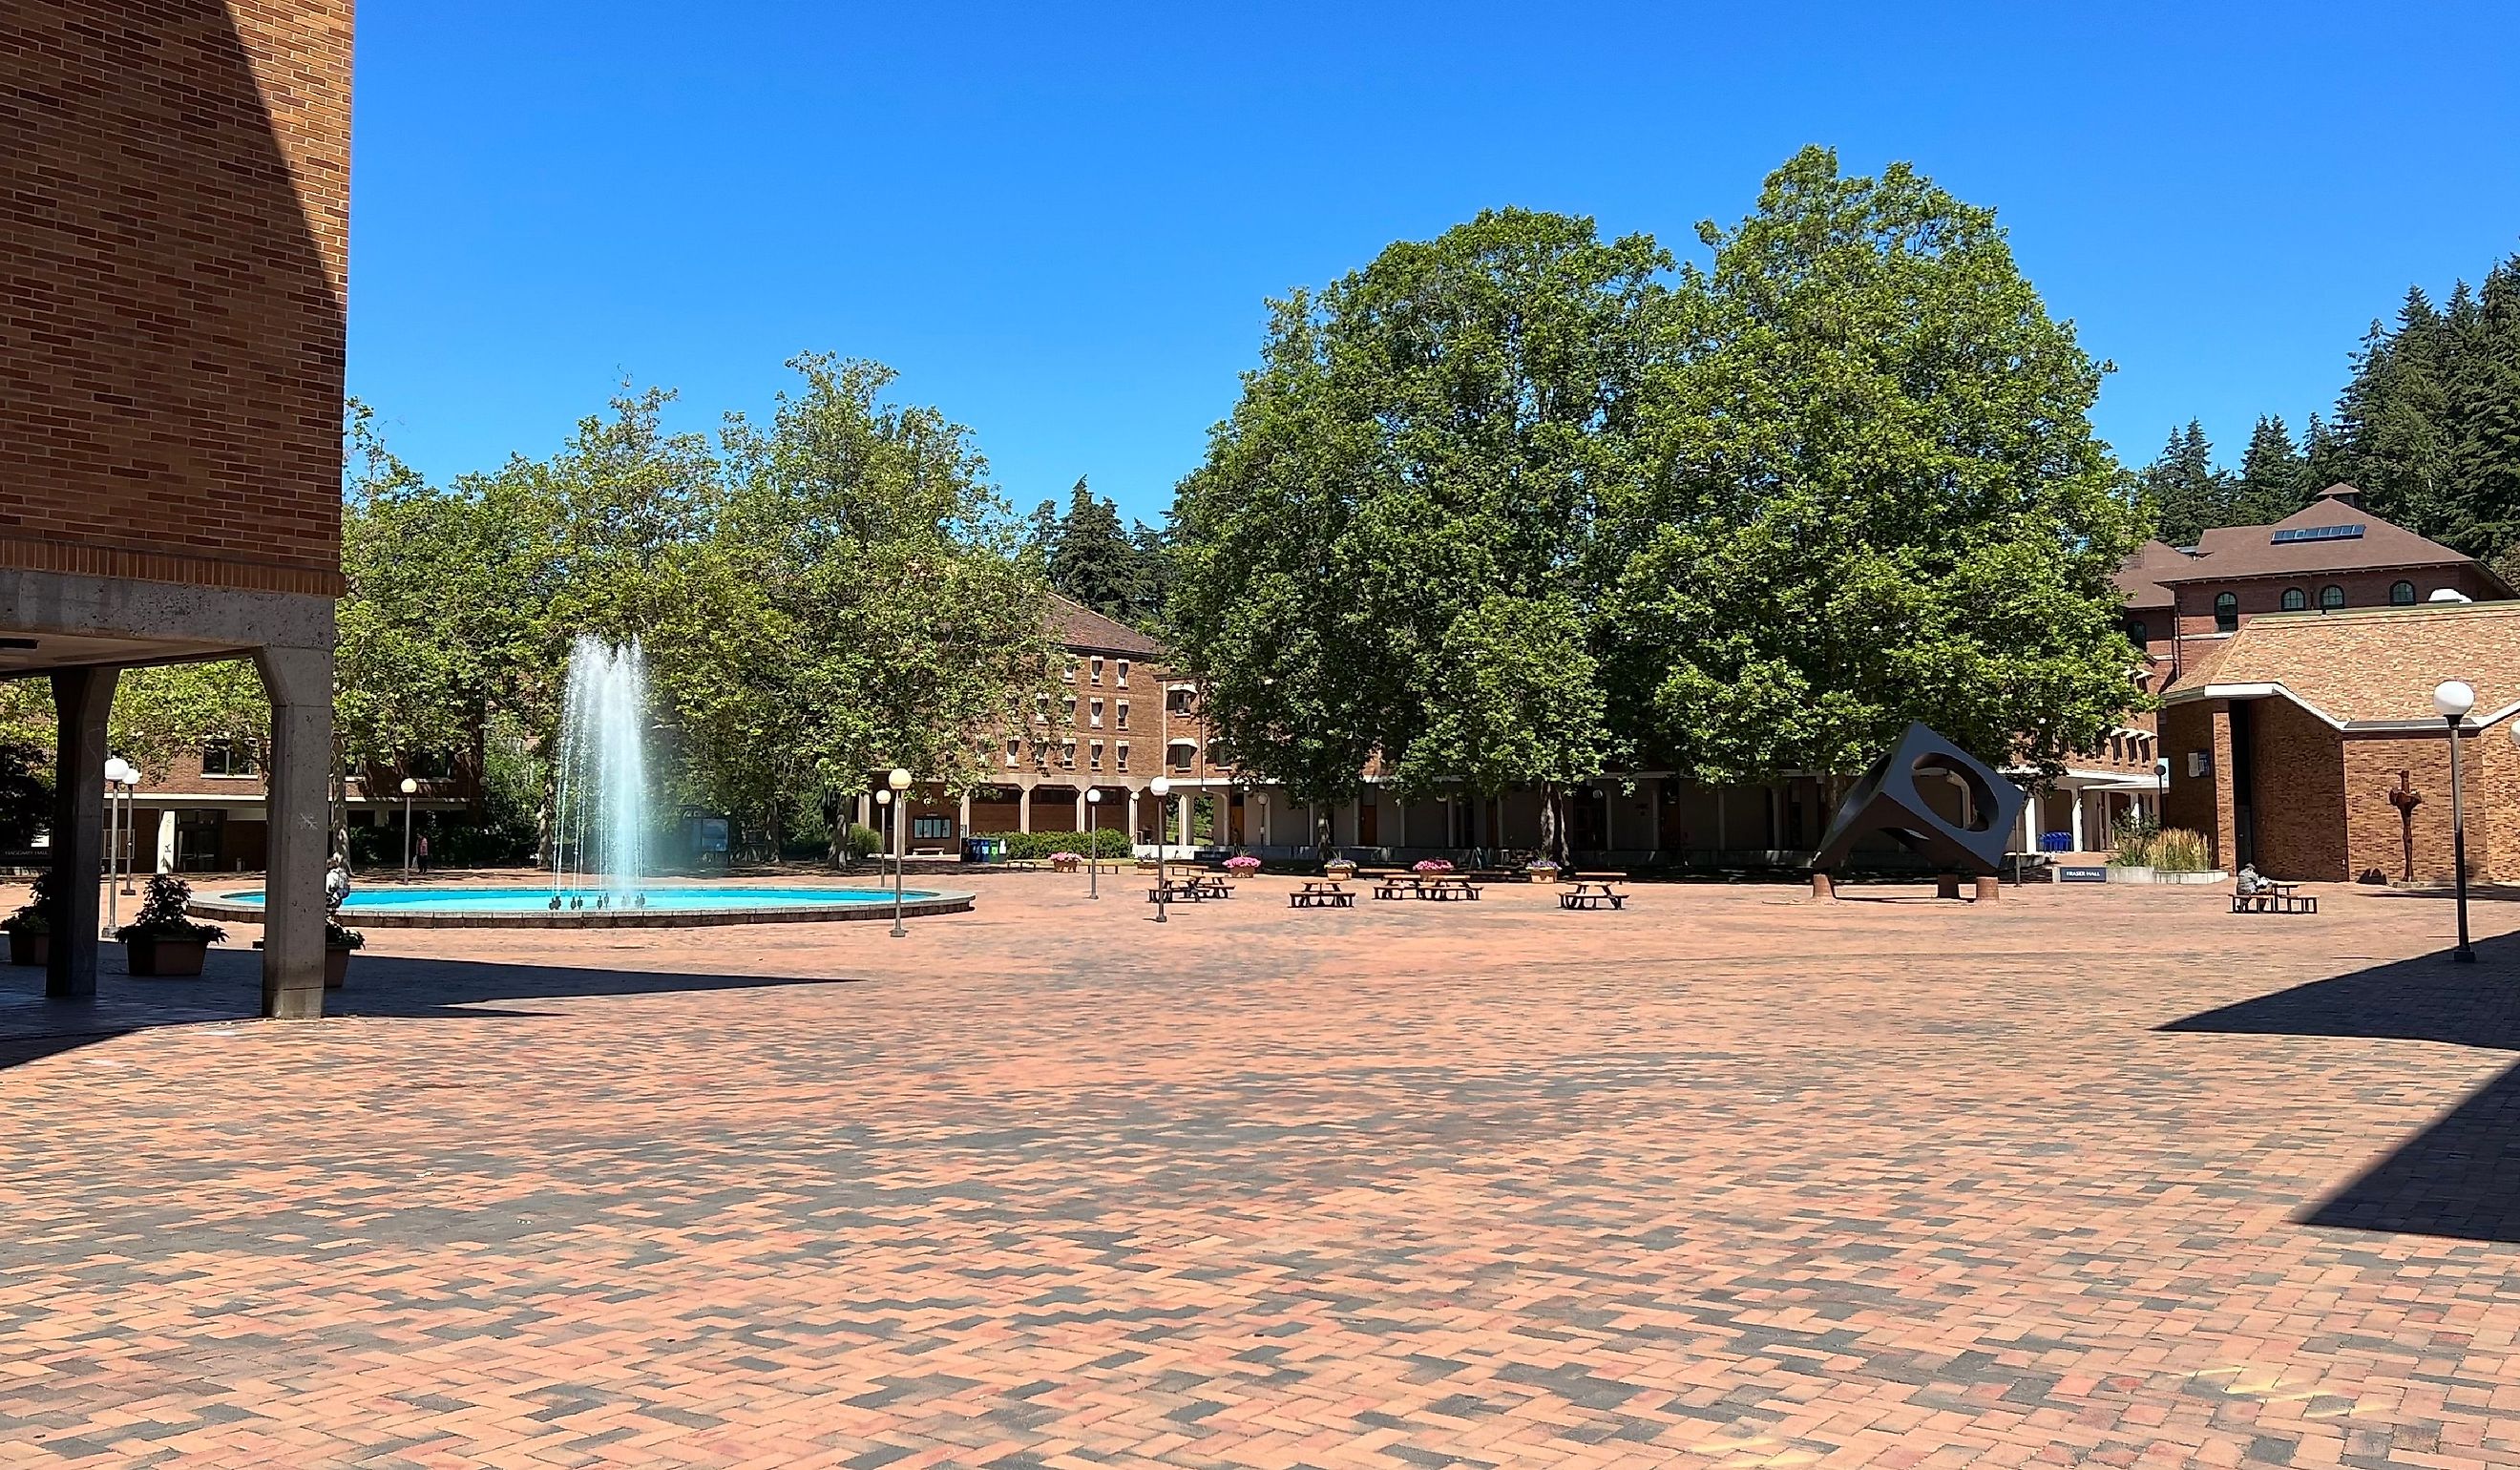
<point x="2291" y="534"/>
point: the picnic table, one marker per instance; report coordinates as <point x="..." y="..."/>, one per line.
<point x="1583" y="895"/>
<point x="1321" y="893"/>
<point x="2271" y="897"/>
<point x="1191" y="890"/>
<point x="1436" y="887"/>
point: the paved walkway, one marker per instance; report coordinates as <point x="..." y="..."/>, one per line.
<point x="2092" y="1177"/>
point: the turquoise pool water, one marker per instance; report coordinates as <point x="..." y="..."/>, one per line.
<point x="694" y="900"/>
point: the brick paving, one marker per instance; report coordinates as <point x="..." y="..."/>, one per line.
<point x="2091" y="1176"/>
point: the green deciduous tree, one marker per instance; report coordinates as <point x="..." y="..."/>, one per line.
<point x="1879" y="499"/>
<point x="1389" y="549"/>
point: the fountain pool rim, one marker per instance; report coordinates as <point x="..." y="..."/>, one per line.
<point x="401" y="906"/>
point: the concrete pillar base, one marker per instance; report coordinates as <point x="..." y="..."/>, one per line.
<point x="1823" y="886"/>
<point x="1946" y="885"/>
<point x="1989" y="888"/>
<point x="300" y="683"/>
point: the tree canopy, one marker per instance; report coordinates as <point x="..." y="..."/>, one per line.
<point x="1518" y="502"/>
<point x="1120" y="572"/>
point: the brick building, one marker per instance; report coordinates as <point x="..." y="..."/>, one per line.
<point x="2289" y="741"/>
<point x="209" y="810"/>
<point x="175" y="191"/>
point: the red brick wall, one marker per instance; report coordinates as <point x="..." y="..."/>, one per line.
<point x="2376" y="834"/>
<point x="2191" y="802"/>
<point x="174" y="219"/>
<point x="2265" y="595"/>
<point x="2298" y="809"/>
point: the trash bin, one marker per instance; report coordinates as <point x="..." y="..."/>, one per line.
<point x="984" y="849"/>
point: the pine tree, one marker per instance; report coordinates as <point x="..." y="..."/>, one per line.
<point x="2186" y="493"/>
<point x="1114" y="569"/>
<point x="2275" y="478"/>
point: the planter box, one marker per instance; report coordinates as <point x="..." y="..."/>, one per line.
<point x="2211" y="875"/>
<point x="166" y="958"/>
<point x="30" y="949"/>
<point x="337" y="966"/>
<point x="2125" y="873"/>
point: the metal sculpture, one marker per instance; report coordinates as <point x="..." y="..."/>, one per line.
<point x="1888" y="800"/>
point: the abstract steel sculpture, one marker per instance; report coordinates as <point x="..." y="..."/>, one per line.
<point x="1888" y="800"/>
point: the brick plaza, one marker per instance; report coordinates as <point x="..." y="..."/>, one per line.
<point x="2091" y="1176"/>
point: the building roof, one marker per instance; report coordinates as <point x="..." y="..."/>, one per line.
<point x="2139" y="578"/>
<point x="2333" y="533"/>
<point x="1077" y="626"/>
<point x="2374" y="666"/>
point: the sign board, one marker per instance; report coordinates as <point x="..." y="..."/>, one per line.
<point x="2082" y="874"/>
<point x="708" y="834"/>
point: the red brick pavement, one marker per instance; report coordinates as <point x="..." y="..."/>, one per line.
<point x="1727" y="1180"/>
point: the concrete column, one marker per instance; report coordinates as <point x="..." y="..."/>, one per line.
<point x="2075" y="818"/>
<point x="866" y="810"/>
<point x="963" y="828"/>
<point x="1181" y="808"/>
<point x="1080" y="809"/>
<point x="299" y="684"/>
<point x="166" y="840"/>
<point x="1133" y="814"/>
<point x="1722" y="838"/>
<point x="1610" y="800"/>
<point x="82" y="699"/>
<point x="1023" y="808"/>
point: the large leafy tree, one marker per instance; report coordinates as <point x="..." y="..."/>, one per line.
<point x="1389" y="549"/>
<point x="1880" y="496"/>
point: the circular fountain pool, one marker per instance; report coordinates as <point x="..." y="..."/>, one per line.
<point x="655" y="907"/>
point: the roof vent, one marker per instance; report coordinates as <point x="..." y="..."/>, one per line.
<point x="2291" y="534"/>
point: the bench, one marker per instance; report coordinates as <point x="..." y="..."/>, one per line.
<point x="2273" y="898"/>
<point x="1591" y="896"/>
<point x="1320" y="894"/>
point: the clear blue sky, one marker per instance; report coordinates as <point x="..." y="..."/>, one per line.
<point x="1060" y="223"/>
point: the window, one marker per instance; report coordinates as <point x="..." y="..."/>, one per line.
<point x="1120" y="757"/>
<point x="2330" y="597"/>
<point x="1068" y="755"/>
<point x="227" y="758"/>
<point x="2402" y="594"/>
<point x="1123" y="674"/>
<point x="1177" y="699"/>
<point x="1069" y="673"/>
<point x="1041" y="709"/>
<point x="1180" y="754"/>
<point x="1098" y="671"/>
<point x="1098" y="714"/>
<point x="1071" y="709"/>
<point x="1015" y="752"/>
<point x="1120" y="715"/>
<point x="930" y="827"/>
<point x="2227" y="613"/>
<point x="2294" y="600"/>
<point x="2138" y="634"/>
<point x="1094" y="756"/>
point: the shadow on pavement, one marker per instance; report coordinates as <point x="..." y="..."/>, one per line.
<point x="230" y="989"/>
<point x="2461" y="1177"/>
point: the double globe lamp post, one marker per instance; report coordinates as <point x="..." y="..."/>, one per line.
<point x="1094" y="843"/>
<point x="2452" y="699"/>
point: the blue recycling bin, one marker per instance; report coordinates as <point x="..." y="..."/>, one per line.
<point x="984" y="849"/>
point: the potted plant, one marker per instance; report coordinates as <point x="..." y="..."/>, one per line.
<point x="1242" y="864"/>
<point x="337" y="945"/>
<point x="2180" y="856"/>
<point x="162" y="940"/>
<point x="1541" y="871"/>
<point x="30" y="929"/>
<point x="1064" y="861"/>
<point x="1338" y="868"/>
<point x="1429" y="868"/>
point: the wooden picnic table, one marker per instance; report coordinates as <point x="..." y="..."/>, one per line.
<point x="1428" y="885"/>
<point x="1190" y="890"/>
<point x="2271" y="897"/>
<point x="1584" y="895"/>
<point x="1321" y="893"/>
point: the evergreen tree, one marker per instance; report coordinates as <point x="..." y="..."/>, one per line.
<point x="1118" y="572"/>
<point x="2185" y="491"/>
<point x="2274" y="476"/>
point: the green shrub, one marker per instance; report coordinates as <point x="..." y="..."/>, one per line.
<point x="2178" y="850"/>
<point x="864" y="841"/>
<point x="1110" y="842"/>
<point x="2135" y="839"/>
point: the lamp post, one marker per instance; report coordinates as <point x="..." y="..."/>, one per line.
<point x="1160" y="788"/>
<point x="2454" y="699"/>
<point x="118" y="773"/>
<point x="1092" y="834"/>
<point x="410" y="788"/>
<point x="899" y="782"/>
